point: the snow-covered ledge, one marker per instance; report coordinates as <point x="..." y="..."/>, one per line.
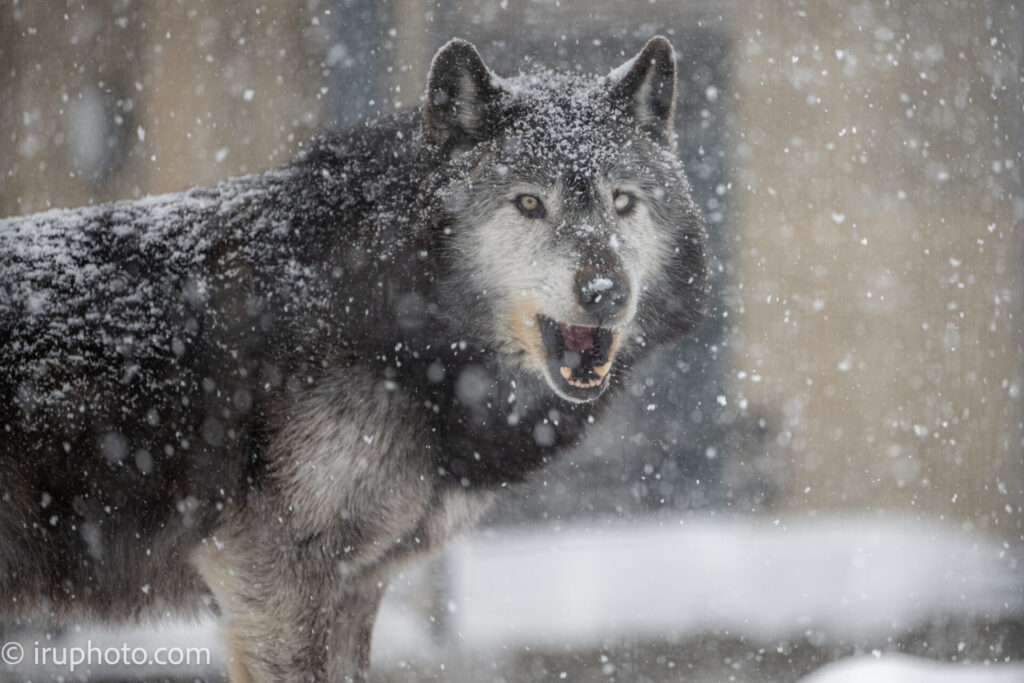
<point x="762" y="578"/>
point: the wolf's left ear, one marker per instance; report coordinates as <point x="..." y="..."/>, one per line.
<point x="459" y="95"/>
<point x="646" y="85"/>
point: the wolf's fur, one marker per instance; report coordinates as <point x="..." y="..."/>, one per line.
<point x="274" y="390"/>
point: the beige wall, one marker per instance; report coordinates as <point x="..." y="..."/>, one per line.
<point x="41" y="87"/>
<point x="879" y="252"/>
<point x="185" y="66"/>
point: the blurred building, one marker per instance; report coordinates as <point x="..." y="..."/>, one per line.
<point x="860" y="164"/>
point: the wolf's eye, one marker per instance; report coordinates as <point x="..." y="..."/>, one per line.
<point x="530" y="206"/>
<point x="623" y="202"/>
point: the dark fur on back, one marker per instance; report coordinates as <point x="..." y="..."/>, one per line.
<point x="159" y="359"/>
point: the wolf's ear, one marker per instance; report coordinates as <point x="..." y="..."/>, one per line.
<point x="459" y="95"/>
<point x="646" y="86"/>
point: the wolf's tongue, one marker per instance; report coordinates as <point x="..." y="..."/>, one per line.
<point x="576" y="337"/>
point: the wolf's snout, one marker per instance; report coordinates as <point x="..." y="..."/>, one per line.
<point x="602" y="294"/>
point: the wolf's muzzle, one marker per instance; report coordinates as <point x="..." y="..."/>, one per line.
<point x="579" y="357"/>
<point x="602" y="294"/>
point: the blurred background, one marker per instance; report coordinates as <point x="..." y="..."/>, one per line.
<point x="834" y="468"/>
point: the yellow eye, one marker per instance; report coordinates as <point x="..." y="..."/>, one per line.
<point x="530" y="205"/>
<point x="623" y="202"/>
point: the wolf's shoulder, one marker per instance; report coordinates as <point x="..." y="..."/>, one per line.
<point x="366" y="165"/>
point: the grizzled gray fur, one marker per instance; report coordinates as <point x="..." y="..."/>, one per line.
<point x="259" y="398"/>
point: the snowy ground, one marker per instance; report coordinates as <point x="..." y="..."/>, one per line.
<point x="744" y="591"/>
<point x="904" y="669"/>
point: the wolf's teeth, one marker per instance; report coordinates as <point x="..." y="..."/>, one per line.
<point x="566" y="372"/>
<point x="584" y="384"/>
<point x="602" y="370"/>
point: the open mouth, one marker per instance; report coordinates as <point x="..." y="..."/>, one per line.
<point x="579" y="357"/>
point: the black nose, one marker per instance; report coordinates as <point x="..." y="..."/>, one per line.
<point x="602" y="295"/>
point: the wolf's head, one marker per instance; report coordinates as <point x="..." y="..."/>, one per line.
<point x="567" y="211"/>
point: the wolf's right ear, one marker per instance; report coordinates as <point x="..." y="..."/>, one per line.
<point x="459" y="94"/>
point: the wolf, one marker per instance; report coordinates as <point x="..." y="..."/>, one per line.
<point x="260" y="398"/>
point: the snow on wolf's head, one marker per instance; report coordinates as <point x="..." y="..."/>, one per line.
<point x="567" y="211"/>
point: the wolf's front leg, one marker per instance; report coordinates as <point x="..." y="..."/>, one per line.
<point x="349" y="653"/>
<point x="321" y="642"/>
<point x="288" y="614"/>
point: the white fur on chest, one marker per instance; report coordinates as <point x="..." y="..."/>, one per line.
<point x="352" y="453"/>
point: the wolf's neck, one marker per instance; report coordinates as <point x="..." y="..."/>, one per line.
<point x="492" y="426"/>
